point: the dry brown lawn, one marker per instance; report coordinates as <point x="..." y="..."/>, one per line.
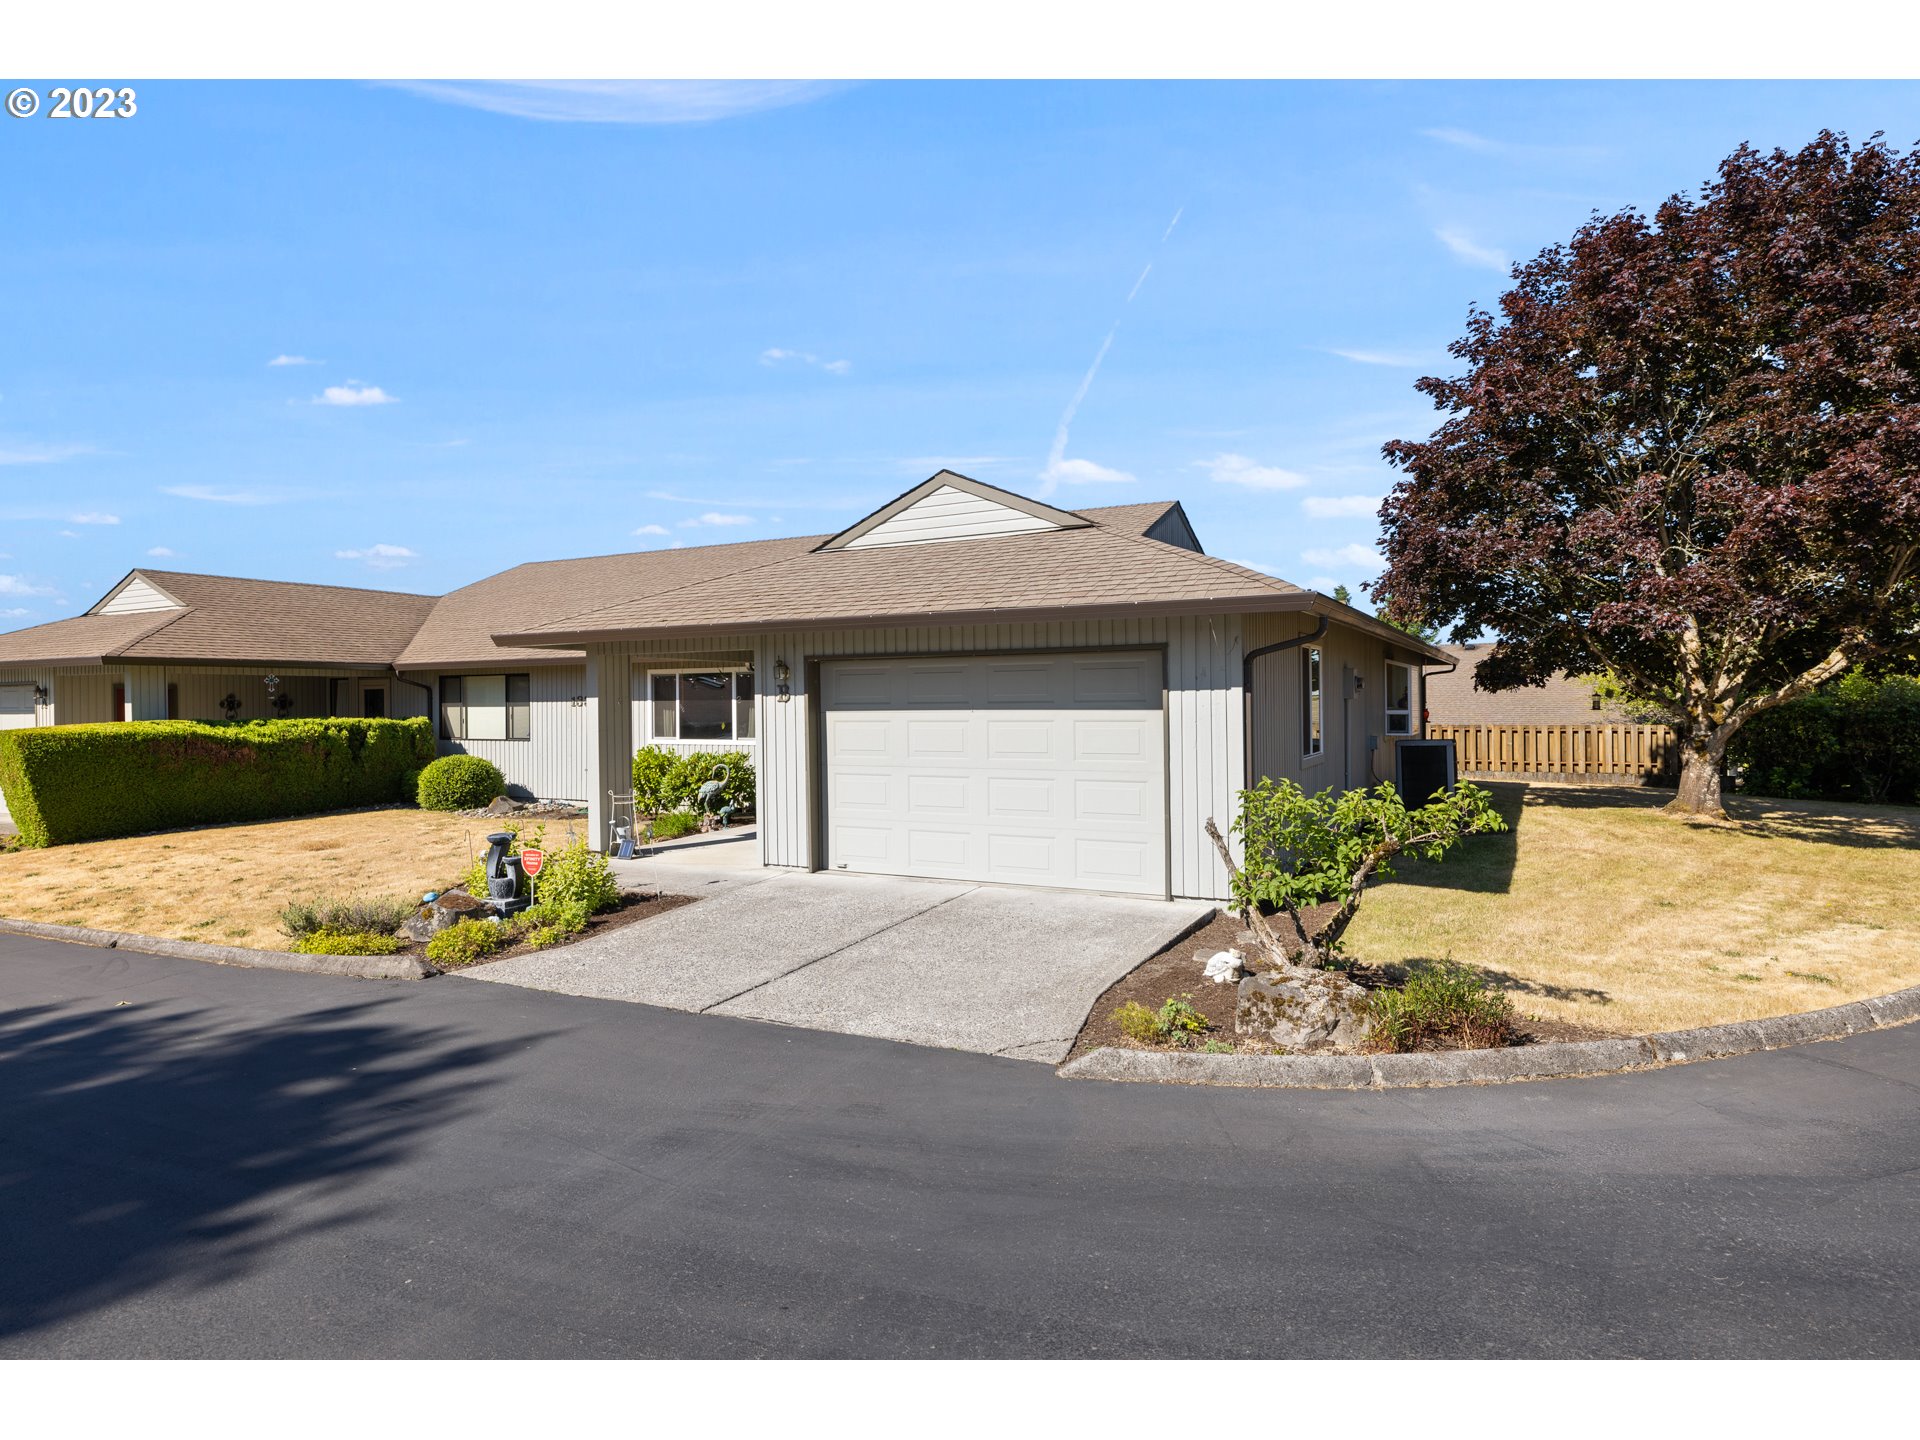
<point x="226" y="883"/>
<point x="1599" y="910"/>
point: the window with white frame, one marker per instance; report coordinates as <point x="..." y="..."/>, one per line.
<point x="1312" y="739"/>
<point x="1399" y="698"/>
<point x="486" y="707"/>
<point x="700" y="705"/>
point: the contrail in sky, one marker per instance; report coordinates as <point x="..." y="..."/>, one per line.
<point x="1060" y="470"/>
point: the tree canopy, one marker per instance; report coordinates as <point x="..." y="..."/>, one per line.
<point x="1686" y="450"/>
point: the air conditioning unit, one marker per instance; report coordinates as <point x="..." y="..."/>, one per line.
<point x="1422" y="767"/>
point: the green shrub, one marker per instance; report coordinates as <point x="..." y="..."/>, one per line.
<point x="655" y="783"/>
<point x="549" y="923"/>
<point x="665" y="781"/>
<point x="1176" y="1022"/>
<point x="695" y="770"/>
<point x="356" y="914"/>
<point x="410" y="786"/>
<point x="674" y="824"/>
<point x="466" y="941"/>
<point x="65" y="783"/>
<point x="1137" y="1022"/>
<point x="345" y="942"/>
<point x="459" y="782"/>
<point x="1440" y="1005"/>
<point x="1858" y="739"/>
<point x="576" y="876"/>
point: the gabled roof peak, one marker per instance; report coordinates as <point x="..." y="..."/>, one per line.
<point x="951" y="506"/>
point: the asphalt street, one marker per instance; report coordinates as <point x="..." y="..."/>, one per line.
<point x="197" y="1160"/>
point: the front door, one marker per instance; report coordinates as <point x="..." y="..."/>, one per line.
<point x="373" y="702"/>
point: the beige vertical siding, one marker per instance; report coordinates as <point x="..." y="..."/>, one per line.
<point x="43" y="711"/>
<point x="1278" y="736"/>
<point x="1203" y="715"/>
<point x="556" y="762"/>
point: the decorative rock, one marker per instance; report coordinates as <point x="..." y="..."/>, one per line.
<point x="1222" y="966"/>
<point x="1304" y="1011"/>
<point x="450" y="907"/>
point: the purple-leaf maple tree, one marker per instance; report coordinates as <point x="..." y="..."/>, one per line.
<point x="1686" y="451"/>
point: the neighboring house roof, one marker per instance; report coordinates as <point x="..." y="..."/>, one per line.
<point x="1452" y="699"/>
<point x="220" y="619"/>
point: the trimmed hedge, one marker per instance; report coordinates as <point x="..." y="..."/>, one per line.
<point x="65" y="783"/>
<point x="665" y="780"/>
<point x="459" y="782"/>
<point x="1856" y="739"/>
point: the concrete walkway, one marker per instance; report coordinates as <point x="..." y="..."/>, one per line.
<point x="968" y="967"/>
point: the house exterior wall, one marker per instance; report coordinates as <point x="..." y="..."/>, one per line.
<point x="22" y="675"/>
<point x="1348" y="721"/>
<point x="555" y="762"/>
<point x="1204" y="746"/>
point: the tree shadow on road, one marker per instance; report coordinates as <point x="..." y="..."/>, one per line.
<point x="140" y="1145"/>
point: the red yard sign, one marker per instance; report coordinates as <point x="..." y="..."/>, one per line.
<point x="532" y="860"/>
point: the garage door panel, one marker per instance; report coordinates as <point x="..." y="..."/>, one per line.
<point x="16" y="707"/>
<point x="1041" y="770"/>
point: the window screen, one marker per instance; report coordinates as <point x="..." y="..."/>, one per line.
<point x="1399" y="698"/>
<point x="1310" y="700"/>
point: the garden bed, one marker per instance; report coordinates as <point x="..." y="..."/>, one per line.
<point x="1176" y="971"/>
<point x="634" y="906"/>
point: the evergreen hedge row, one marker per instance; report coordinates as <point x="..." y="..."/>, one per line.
<point x="92" y="782"/>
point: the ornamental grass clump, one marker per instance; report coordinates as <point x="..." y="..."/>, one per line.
<point x="1440" y="1007"/>
<point x="355" y="915"/>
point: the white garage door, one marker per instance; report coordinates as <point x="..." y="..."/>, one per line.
<point x="16" y="707"/>
<point x="1027" y="769"/>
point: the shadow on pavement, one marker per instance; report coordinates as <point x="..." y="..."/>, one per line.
<point x="140" y="1147"/>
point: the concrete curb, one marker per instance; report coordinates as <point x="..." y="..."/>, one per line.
<point x="357" y="967"/>
<point x="1492" y="1067"/>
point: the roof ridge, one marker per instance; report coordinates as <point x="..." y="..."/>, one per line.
<point x="304" y="584"/>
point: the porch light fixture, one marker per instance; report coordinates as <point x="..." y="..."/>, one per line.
<point x="41" y="695"/>
<point x="782" y="674"/>
<point x="273" y="684"/>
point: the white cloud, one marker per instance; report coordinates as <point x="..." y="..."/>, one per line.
<point x="1351" y="557"/>
<point x="355" y="393"/>
<point x="379" y="557"/>
<point x="1061" y="471"/>
<point x="715" y="517"/>
<point x="292" y="360"/>
<point x="68" y="534"/>
<point x="14" y="585"/>
<point x="161" y="552"/>
<point x="1325" y="584"/>
<point x="622" y="102"/>
<point x="219" y="497"/>
<point x="93" y="517"/>
<point x="1398" y="359"/>
<point x="1487" y="145"/>
<point x="651" y="530"/>
<point x="1466" y="248"/>
<point x="1260" y="565"/>
<point x="776" y="356"/>
<point x="1328" y="507"/>
<point x="41" y="454"/>
<point x="1242" y="471"/>
<point x="15" y="613"/>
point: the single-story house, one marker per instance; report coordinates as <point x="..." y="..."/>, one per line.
<point x="1452" y="698"/>
<point x="965" y="684"/>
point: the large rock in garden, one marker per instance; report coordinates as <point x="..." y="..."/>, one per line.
<point x="450" y="907"/>
<point x="1303" y="1011"/>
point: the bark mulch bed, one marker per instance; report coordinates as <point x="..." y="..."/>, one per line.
<point x="1176" y="971"/>
<point x="634" y="906"/>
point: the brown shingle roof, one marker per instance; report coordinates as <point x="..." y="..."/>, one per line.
<point x="461" y="629"/>
<point x="1097" y="570"/>
<point x="231" y="620"/>
<point x="82" y="640"/>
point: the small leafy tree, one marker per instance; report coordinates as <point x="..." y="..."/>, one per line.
<point x="1304" y="850"/>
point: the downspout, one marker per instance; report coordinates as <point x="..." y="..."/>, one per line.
<point x="433" y="721"/>
<point x="1246" y="689"/>
<point x="1452" y="666"/>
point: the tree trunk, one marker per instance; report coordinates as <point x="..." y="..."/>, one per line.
<point x="1699" y="793"/>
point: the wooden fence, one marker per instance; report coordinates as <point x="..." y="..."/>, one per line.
<point x="1610" y="754"/>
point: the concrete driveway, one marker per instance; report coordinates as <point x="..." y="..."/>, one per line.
<point x="968" y="967"/>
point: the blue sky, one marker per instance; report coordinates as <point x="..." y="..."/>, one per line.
<point x="712" y="314"/>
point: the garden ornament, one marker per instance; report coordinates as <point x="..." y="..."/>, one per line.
<point x="711" y="792"/>
<point x="503" y="875"/>
<point x="1224" y="965"/>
